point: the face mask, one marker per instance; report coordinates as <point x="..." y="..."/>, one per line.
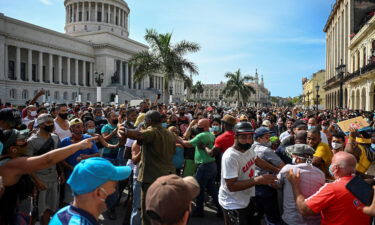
<point x="336" y="146"/>
<point x="200" y="130"/>
<point x="115" y="122"/>
<point x="33" y="113"/>
<point x="49" y="129"/>
<point x="164" y="125"/>
<point x="63" y="116"/>
<point x="91" y="131"/>
<point x="244" y="147"/>
<point x="103" y="208"/>
<point x="310" y="127"/>
<point x="215" y="129"/>
<point x="330" y="170"/>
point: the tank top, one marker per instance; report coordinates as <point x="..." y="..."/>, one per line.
<point x="60" y="132"/>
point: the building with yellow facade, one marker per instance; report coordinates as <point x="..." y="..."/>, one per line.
<point x="313" y="93"/>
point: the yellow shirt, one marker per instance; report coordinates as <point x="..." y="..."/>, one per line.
<point x="140" y="119"/>
<point x="324" y="152"/>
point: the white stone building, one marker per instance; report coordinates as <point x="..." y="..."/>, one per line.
<point x="213" y="93"/>
<point x="95" y="39"/>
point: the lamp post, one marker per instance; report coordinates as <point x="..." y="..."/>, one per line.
<point x="99" y="80"/>
<point x="317" y="96"/>
<point x="340" y="70"/>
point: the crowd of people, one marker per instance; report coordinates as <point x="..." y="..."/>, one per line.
<point x="70" y="164"/>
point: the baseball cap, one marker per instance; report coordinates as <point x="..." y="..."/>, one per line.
<point x="75" y="121"/>
<point x="11" y="115"/>
<point x="243" y="117"/>
<point x="169" y="197"/>
<point x="266" y="123"/>
<point x="300" y="149"/>
<point x="44" y="117"/>
<point x="274" y="139"/>
<point x="261" y="131"/>
<point x="229" y="119"/>
<point x="90" y="173"/>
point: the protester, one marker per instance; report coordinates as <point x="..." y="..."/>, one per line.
<point x="168" y="200"/>
<point x="61" y="123"/>
<point x="91" y="182"/>
<point x="289" y="131"/>
<point x="333" y="201"/>
<point x="338" y="142"/>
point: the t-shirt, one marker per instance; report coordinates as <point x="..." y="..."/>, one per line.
<point x="158" y="148"/>
<point x="241" y="165"/>
<point x="312" y="179"/>
<point x="73" y="215"/>
<point x="323" y="151"/>
<point x="337" y="205"/>
<point x="225" y="140"/>
<point x="140" y="119"/>
<point x="284" y="135"/>
<point x="109" y="128"/>
<point x="72" y="160"/>
<point x="201" y="156"/>
<point x="178" y="158"/>
<point x="268" y="155"/>
<point x="35" y="143"/>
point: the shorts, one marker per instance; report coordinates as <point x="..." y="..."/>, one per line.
<point x="49" y="198"/>
<point x="248" y="215"/>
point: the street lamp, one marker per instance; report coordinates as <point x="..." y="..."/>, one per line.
<point x="317" y="96"/>
<point x="99" y="80"/>
<point x="340" y="70"/>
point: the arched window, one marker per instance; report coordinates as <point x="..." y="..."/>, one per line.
<point x="13" y="93"/>
<point x="25" y="94"/>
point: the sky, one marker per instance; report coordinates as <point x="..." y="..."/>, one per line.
<point x="284" y="40"/>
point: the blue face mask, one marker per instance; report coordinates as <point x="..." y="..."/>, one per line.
<point x="91" y="131"/>
<point x="164" y="125"/>
<point x="1" y="148"/>
<point x="215" y="129"/>
<point x="310" y="127"/>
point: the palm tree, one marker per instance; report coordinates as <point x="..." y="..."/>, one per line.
<point x="236" y="86"/>
<point x="165" y="58"/>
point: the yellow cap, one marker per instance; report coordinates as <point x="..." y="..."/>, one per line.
<point x="75" y="121"/>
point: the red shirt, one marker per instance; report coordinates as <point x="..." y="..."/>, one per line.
<point x="225" y="140"/>
<point x="337" y="205"/>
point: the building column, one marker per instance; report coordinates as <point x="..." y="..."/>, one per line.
<point x="102" y="12"/>
<point x="18" y="63"/>
<point x="89" y="11"/>
<point x="6" y="65"/>
<point x="109" y="13"/>
<point x="114" y="14"/>
<point x="83" y="11"/>
<point x="126" y="75"/>
<point x="59" y="69"/>
<point x="84" y="72"/>
<point x="91" y="75"/>
<point x="77" y="18"/>
<point x="50" y="65"/>
<point x="132" y="77"/>
<point x="40" y="67"/>
<point x="68" y="70"/>
<point x="76" y="72"/>
<point x="29" y="64"/>
<point x="121" y="77"/>
<point x="96" y="12"/>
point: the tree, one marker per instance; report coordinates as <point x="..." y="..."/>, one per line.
<point x="197" y="88"/>
<point x="165" y="58"/>
<point x="236" y="86"/>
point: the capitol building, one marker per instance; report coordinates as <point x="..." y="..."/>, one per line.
<point x="66" y="65"/>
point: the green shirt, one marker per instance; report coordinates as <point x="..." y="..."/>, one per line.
<point x="158" y="148"/>
<point x="201" y="155"/>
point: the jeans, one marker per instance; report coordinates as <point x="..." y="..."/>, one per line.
<point x="135" y="218"/>
<point x="206" y="174"/>
<point x="266" y="201"/>
<point x="120" y="157"/>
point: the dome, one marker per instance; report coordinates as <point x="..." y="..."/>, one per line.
<point x="96" y="15"/>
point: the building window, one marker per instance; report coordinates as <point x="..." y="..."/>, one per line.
<point x="11" y="72"/>
<point x="79" y="16"/>
<point x="358" y="60"/>
<point x="151" y="81"/>
<point x="99" y="16"/>
<point x="88" y="96"/>
<point x="23" y="71"/>
<point x="364" y="57"/>
<point x="65" y="95"/>
<point x="56" y="95"/>
<point x="123" y="73"/>
<point x="13" y="93"/>
<point x="129" y="77"/>
<point x="44" y="74"/>
<point x="25" y="94"/>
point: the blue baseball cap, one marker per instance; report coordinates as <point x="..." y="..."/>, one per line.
<point x="90" y="173"/>
<point x="260" y="132"/>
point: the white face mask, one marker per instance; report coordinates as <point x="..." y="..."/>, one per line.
<point x="336" y="146"/>
<point x="33" y="113"/>
<point x="103" y="200"/>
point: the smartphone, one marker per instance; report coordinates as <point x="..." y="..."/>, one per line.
<point x="361" y="190"/>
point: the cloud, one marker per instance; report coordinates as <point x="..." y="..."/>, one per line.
<point x="46" y="2"/>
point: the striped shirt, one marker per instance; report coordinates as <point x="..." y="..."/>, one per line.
<point x="73" y="215"/>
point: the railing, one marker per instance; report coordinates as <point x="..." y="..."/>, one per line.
<point x="367" y="68"/>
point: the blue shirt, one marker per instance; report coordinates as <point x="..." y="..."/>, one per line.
<point x="178" y="158"/>
<point x="73" y="215"/>
<point x="72" y="160"/>
<point x="107" y="152"/>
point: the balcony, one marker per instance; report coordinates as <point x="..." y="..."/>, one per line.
<point x="367" y="68"/>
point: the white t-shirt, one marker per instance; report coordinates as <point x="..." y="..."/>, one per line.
<point x="241" y="165"/>
<point x="323" y="137"/>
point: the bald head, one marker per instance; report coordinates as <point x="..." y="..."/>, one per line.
<point x="300" y="137"/>
<point x="346" y="163"/>
<point x="204" y="123"/>
<point x="152" y="117"/>
<point x="312" y="122"/>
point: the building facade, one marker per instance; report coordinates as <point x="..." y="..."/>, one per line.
<point x="96" y="39"/>
<point x="349" y="81"/>
<point x="313" y="90"/>
<point x="213" y="93"/>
